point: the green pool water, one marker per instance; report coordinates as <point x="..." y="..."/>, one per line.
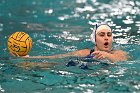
<point x="61" y="26"/>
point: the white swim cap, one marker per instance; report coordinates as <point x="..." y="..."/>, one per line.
<point x="97" y="29"/>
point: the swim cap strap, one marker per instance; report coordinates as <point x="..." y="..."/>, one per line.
<point x="95" y="31"/>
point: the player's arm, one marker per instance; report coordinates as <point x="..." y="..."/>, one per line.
<point x="79" y="53"/>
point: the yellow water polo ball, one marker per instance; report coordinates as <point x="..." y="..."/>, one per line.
<point x="19" y="43"/>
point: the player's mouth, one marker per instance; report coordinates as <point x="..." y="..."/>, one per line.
<point x="106" y="44"/>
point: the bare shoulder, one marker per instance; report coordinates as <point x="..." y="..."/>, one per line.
<point x="120" y="54"/>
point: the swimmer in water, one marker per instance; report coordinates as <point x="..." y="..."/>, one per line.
<point x="103" y="39"/>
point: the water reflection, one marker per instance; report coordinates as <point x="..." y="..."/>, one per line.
<point x="58" y="26"/>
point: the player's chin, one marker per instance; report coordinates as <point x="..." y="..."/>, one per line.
<point x="106" y="49"/>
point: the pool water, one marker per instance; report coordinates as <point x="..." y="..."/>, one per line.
<point x="63" y="26"/>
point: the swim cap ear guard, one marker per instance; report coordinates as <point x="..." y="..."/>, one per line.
<point x="93" y="34"/>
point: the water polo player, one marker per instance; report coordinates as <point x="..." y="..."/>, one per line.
<point x="103" y="38"/>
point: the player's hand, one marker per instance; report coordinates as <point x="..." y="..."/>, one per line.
<point x="100" y="54"/>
